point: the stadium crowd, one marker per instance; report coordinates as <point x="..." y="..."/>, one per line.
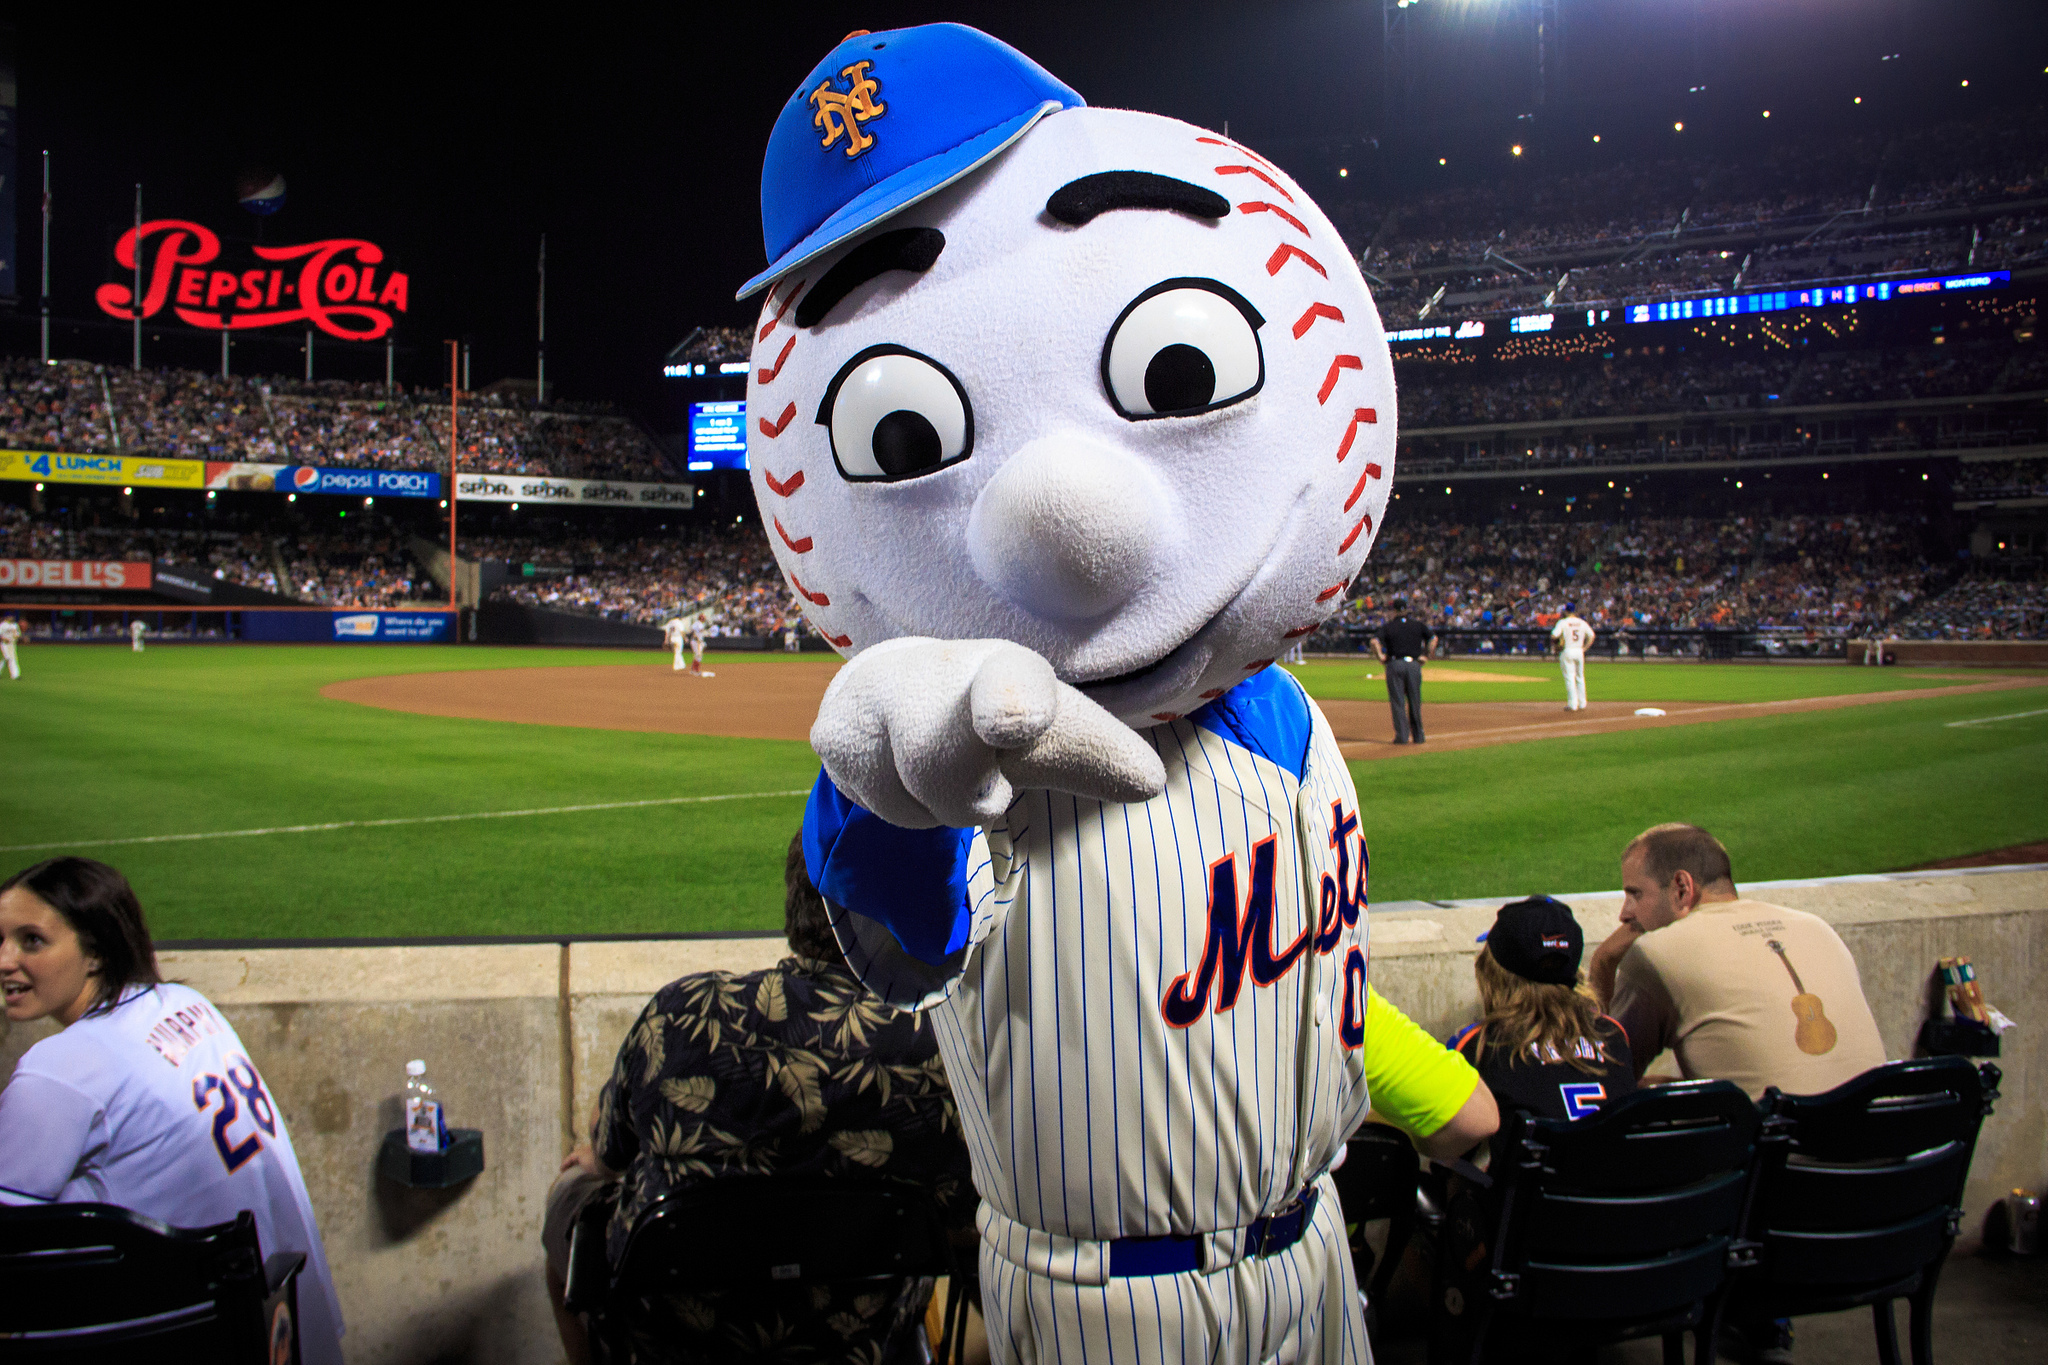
<point x="1810" y="209"/>
<point x="95" y="409"/>
<point x="1835" y="576"/>
<point x="724" y="575"/>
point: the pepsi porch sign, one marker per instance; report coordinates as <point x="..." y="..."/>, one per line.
<point x="380" y="483"/>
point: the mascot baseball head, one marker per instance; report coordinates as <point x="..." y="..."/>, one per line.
<point x="1097" y="383"/>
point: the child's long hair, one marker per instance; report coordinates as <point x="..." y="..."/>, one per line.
<point x="1517" y="1014"/>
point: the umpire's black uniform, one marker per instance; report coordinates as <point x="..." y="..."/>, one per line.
<point x="1407" y="642"/>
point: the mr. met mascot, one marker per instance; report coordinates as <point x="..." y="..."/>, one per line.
<point x="1065" y="423"/>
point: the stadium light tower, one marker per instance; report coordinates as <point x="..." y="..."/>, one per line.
<point x="1397" y="72"/>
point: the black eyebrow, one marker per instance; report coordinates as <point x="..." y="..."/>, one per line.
<point x="914" y="249"/>
<point x="1080" y="201"/>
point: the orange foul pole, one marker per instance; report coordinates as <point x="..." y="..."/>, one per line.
<point x="454" y="394"/>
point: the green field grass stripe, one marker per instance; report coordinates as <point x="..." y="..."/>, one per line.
<point x="1993" y="720"/>
<point x="403" y="820"/>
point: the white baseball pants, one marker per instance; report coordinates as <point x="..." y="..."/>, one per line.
<point x="679" y="659"/>
<point x="1295" y="1307"/>
<point x="13" y="664"/>
<point x="1574" y="666"/>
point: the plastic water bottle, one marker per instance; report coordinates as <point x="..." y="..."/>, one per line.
<point x="425" y="1128"/>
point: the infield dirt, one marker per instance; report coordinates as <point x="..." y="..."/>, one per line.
<point x="755" y="700"/>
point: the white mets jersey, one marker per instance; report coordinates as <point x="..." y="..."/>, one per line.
<point x="1572" y="635"/>
<point x="10" y="632"/>
<point x="1151" y="1014"/>
<point x="155" y="1106"/>
<point x="673" y="633"/>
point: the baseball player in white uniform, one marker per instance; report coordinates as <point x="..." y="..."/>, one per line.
<point x="10" y="645"/>
<point x="697" y="648"/>
<point x="136" y="630"/>
<point x="1572" y="636"/>
<point x="1068" y="805"/>
<point x="675" y="635"/>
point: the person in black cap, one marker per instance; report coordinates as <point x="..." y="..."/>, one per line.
<point x="1541" y="1043"/>
<point x="1403" y="643"/>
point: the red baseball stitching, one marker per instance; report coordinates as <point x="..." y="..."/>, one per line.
<point x="1308" y="320"/>
<point x="803" y="547"/>
<point x="1258" y="663"/>
<point x="768" y="376"/>
<point x="842" y="641"/>
<point x="1342" y="362"/>
<point x="1212" y="694"/>
<point x="1281" y="254"/>
<point x="1364" y="523"/>
<point x="809" y="596"/>
<point x="1277" y="187"/>
<point x="788" y="300"/>
<point x="1166" y="715"/>
<point x="780" y="489"/>
<point x="1224" y="142"/>
<point x="1297" y="632"/>
<point x="1327" y="593"/>
<point x="1369" y="416"/>
<point x="1372" y="471"/>
<point x="771" y="432"/>
<point x="1261" y="206"/>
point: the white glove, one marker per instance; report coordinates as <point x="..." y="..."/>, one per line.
<point x="946" y="732"/>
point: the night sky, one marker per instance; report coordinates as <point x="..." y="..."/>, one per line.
<point x="634" y="140"/>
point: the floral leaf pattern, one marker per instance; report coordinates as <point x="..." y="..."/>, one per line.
<point x="796" y="1070"/>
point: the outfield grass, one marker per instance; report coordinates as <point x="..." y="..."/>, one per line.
<point x="105" y="744"/>
<point x="1635" y="680"/>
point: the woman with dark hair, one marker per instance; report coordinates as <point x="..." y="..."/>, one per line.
<point x="146" y="1099"/>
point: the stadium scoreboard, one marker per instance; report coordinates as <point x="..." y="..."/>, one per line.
<point x="718" y="435"/>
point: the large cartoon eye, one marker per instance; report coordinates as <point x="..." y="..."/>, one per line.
<point x="1182" y="347"/>
<point x="895" y="414"/>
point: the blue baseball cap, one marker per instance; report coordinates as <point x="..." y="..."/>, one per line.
<point x="884" y="121"/>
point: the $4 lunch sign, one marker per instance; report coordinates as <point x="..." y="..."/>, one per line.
<point x="340" y="285"/>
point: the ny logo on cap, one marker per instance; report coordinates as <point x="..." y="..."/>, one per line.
<point x="840" y="113"/>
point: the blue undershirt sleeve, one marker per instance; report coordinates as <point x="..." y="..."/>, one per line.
<point x="913" y="882"/>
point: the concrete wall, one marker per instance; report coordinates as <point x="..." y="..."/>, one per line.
<point x="519" y="1039"/>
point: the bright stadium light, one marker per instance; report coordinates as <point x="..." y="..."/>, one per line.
<point x="1516" y="149"/>
<point x="1966" y="85"/>
<point x="1767" y="113"/>
<point x="1441" y="162"/>
<point x="1678" y="127"/>
<point x="1859" y="99"/>
<point x="291" y="497"/>
<point x="1596" y="137"/>
<point x="1342" y="172"/>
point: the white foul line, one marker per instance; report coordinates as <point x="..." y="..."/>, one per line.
<point x="402" y="820"/>
<point x="1986" y="720"/>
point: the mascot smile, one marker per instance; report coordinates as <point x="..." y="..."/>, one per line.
<point x="1067" y="423"/>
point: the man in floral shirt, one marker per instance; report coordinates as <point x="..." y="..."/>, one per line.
<point x="792" y="1071"/>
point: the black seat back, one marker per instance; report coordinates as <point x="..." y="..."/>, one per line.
<point x="1629" y="1215"/>
<point x="92" y="1282"/>
<point x="1378" y="1179"/>
<point x="1862" y="1186"/>
<point x="763" y="1232"/>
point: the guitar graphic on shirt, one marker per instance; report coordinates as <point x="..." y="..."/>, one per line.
<point x="1813" y="1033"/>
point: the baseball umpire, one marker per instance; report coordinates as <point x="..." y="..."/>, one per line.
<point x="1402" y="644"/>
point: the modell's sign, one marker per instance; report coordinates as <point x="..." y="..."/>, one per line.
<point x="340" y="285"/>
<point x="73" y="573"/>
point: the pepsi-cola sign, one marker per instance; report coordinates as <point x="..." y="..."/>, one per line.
<point x="382" y="483"/>
<point x="339" y="285"/>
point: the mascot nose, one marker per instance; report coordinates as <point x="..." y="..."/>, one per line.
<point x="1068" y="528"/>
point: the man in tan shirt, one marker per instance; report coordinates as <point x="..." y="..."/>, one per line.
<point x="1736" y="989"/>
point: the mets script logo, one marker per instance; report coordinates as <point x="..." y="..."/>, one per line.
<point x="842" y="112"/>
<point x="1240" y="932"/>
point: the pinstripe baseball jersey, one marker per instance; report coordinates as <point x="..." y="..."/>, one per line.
<point x="1151" y="1014"/>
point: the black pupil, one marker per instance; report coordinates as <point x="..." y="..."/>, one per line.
<point x="906" y="442"/>
<point x="1180" y="377"/>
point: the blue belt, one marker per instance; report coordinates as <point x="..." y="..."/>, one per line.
<point x="1266" y="1236"/>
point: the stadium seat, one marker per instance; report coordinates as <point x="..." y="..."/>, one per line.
<point x="1379" y="1179"/>
<point x="1860" y="1193"/>
<point x="770" y="1238"/>
<point x="95" y="1283"/>
<point x="1617" y="1226"/>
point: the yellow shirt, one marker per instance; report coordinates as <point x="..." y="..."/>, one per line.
<point x="1415" y="1082"/>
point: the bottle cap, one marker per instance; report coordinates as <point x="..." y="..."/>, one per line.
<point x="416" y="1068"/>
